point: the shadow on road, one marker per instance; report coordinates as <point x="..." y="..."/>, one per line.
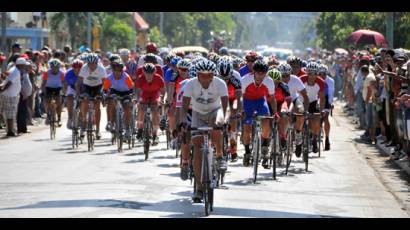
<point x="168" y="165"/>
<point x="181" y="207"/>
<point x="134" y="161"/>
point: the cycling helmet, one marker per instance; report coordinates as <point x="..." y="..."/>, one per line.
<point x="168" y="58"/>
<point x="180" y="53"/>
<point x="124" y="52"/>
<point x="275" y="74"/>
<point x="175" y="60"/>
<point x="117" y="62"/>
<point x="54" y="63"/>
<point x="114" y="57"/>
<point x="77" y="63"/>
<point x="225" y="67"/>
<point x="92" y="58"/>
<point x="205" y="66"/>
<point x="150" y="58"/>
<point x="151" y="48"/>
<point x="184" y="64"/>
<point x="148" y="68"/>
<point x="237" y="62"/>
<point x="292" y="60"/>
<point x="223" y="51"/>
<point x="251" y="56"/>
<point x="285" y="69"/>
<point x="192" y="71"/>
<point x="215" y="58"/>
<point x="83" y="57"/>
<point x="312" y="67"/>
<point x="304" y="63"/>
<point x="322" y="69"/>
<point x="260" y="66"/>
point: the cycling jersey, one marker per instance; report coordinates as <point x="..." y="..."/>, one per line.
<point x="123" y="84"/>
<point x="244" y="70"/>
<point x="171" y="75"/>
<point x="205" y="101"/>
<point x="252" y="92"/>
<point x="150" y="90"/>
<point x="131" y="67"/>
<point x="53" y="80"/>
<point x="180" y="94"/>
<point x="158" y="70"/>
<point x="281" y="93"/>
<point x="95" y="77"/>
<point x="301" y="73"/>
<point x="313" y="90"/>
<point x="70" y="78"/>
<point x="295" y="85"/>
<point x="329" y="89"/>
<point x="233" y="83"/>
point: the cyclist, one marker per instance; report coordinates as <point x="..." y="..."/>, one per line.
<point x="130" y="64"/>
<point x="171" y="76"/>
<point x="89" y="84"/>
<point x="233" y="82"/>
<point x="257" y="90"/>
<point x="119" y="83"/>
<point x="329" y="92"/>
<point x="283" y="100"/>
<point x="150" y="86"/>
<point x="300" y="100"/>
<point x="237" y="62"/>
<point x="250" y="59"/>
<point x="315" y="87"/>
<point x="69" y="87"/>
<point x="209" y="96"/>
<point x="52" y="85"/>
<point x="152" y="49"/>
<point x="296" y="64"/>
<point x="181" y="127"/>
<point x="150" y="58"/>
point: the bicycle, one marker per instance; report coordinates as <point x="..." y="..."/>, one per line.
<point x="52" y="117"/>
<point x="119" y="121"/>
<point x="134" y="113"/>
<point x="208" y="176"/>
<point x="256" y="143"/>
<point x="320" y="137"/>
<point x="147" y="130"/>
<point x="75" y="124"/>
<point x="273" y="159"/>
<point x="90" y="122"/>
<point x="290" y="139"/>
<point x="220" y="175"/>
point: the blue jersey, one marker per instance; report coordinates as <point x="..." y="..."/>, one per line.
<point x="71" y="78"/>
<point x="170" y="75"/>
<point x="244" y="70"/>
<point x="165" y="68"/>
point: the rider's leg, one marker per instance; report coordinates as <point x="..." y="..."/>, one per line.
<point x="197" y="141"/>
<point x="155" y="119"/>
<point x="127" y="114"/>
<point x="70" y="103"/>
<point x="110" y="111"/>
<point x="97" y="107"/>
<point x="140" y="119"/>
<point x="59" y="103"/>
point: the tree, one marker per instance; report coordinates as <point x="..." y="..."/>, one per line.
<point x="116" y="31"/>
<point x="74" y="22"/>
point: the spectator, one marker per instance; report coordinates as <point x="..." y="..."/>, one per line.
<point x="9" y="94"/>
<point x="15" y="48"/>
<point x="26" y="89"/>
<point x="369" y="92"/>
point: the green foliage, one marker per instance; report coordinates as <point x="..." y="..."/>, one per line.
<point x="116" y="31"/>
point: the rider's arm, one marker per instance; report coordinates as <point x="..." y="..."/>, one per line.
<point x="185" y="106"/>
<point x="238" y="95"/>
<point x="224" y="102"/>
<point x="272" y="101"/>
<point x="78" y="85"/>
<point x="322" y="99"/>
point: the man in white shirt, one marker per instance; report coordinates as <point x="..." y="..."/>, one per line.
<point x="9" y="94"/>
<point x="329" y="92"/>
<point x="91" y="78"/>
<point x="209" y="97"/>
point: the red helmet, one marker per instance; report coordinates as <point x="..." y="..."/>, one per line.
<point x="152" y="48"/>
<point x="77" y="63"/>
<point x="251" y="56"/>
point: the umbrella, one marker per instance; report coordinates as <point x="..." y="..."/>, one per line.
<point x="341" y="51"/>
<point x="367" y="37"/>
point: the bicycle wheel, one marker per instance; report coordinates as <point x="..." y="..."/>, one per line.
<point x="256" y="151"/>
<point x="90" y="138"/>
<point x="133" y="118"/>
<point x="118" y="129"/>
<point x="275" y="154"/>
<point x="146" y="137"/>
<point x="168" y="135"/>
<point x="319" y="140"/>
<point x="306" y="148"/>
<point x="206" y="185"/>
<point x="289" y="152"/>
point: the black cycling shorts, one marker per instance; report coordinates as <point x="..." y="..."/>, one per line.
<point x="52" y="92"/>
<point x="313" y="107"/>
<point x="91" y="91"/>
<point x="124" y="94"/>
<point x="327" y="104"/>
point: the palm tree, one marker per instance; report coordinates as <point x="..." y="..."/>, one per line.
<point x="75" y="22"/>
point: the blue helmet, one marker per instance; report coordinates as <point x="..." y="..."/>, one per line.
<point x="175" y="60"/>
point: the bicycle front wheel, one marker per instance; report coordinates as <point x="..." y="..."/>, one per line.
<point x="256" y="152"/>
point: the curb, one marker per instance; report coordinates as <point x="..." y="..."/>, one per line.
<point x="386" y="151"/>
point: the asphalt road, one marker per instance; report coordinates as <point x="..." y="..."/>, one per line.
<point x="40" y="177"/>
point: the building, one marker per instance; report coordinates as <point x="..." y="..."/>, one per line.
<point x="22" y="28"/>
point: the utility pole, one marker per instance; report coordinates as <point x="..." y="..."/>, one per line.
<point x="390" y="28"/>
<point x="3" y="32"/>
<point x="161" y="23"/>
<point x="88" y="29"/>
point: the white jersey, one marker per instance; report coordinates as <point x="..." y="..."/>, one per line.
<point x="180" y="94"/>
<point x="141" y="61"/>
<point x="208" y="100"/>
<point x="295" y="86"/>
<point x="93" y="78"/>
